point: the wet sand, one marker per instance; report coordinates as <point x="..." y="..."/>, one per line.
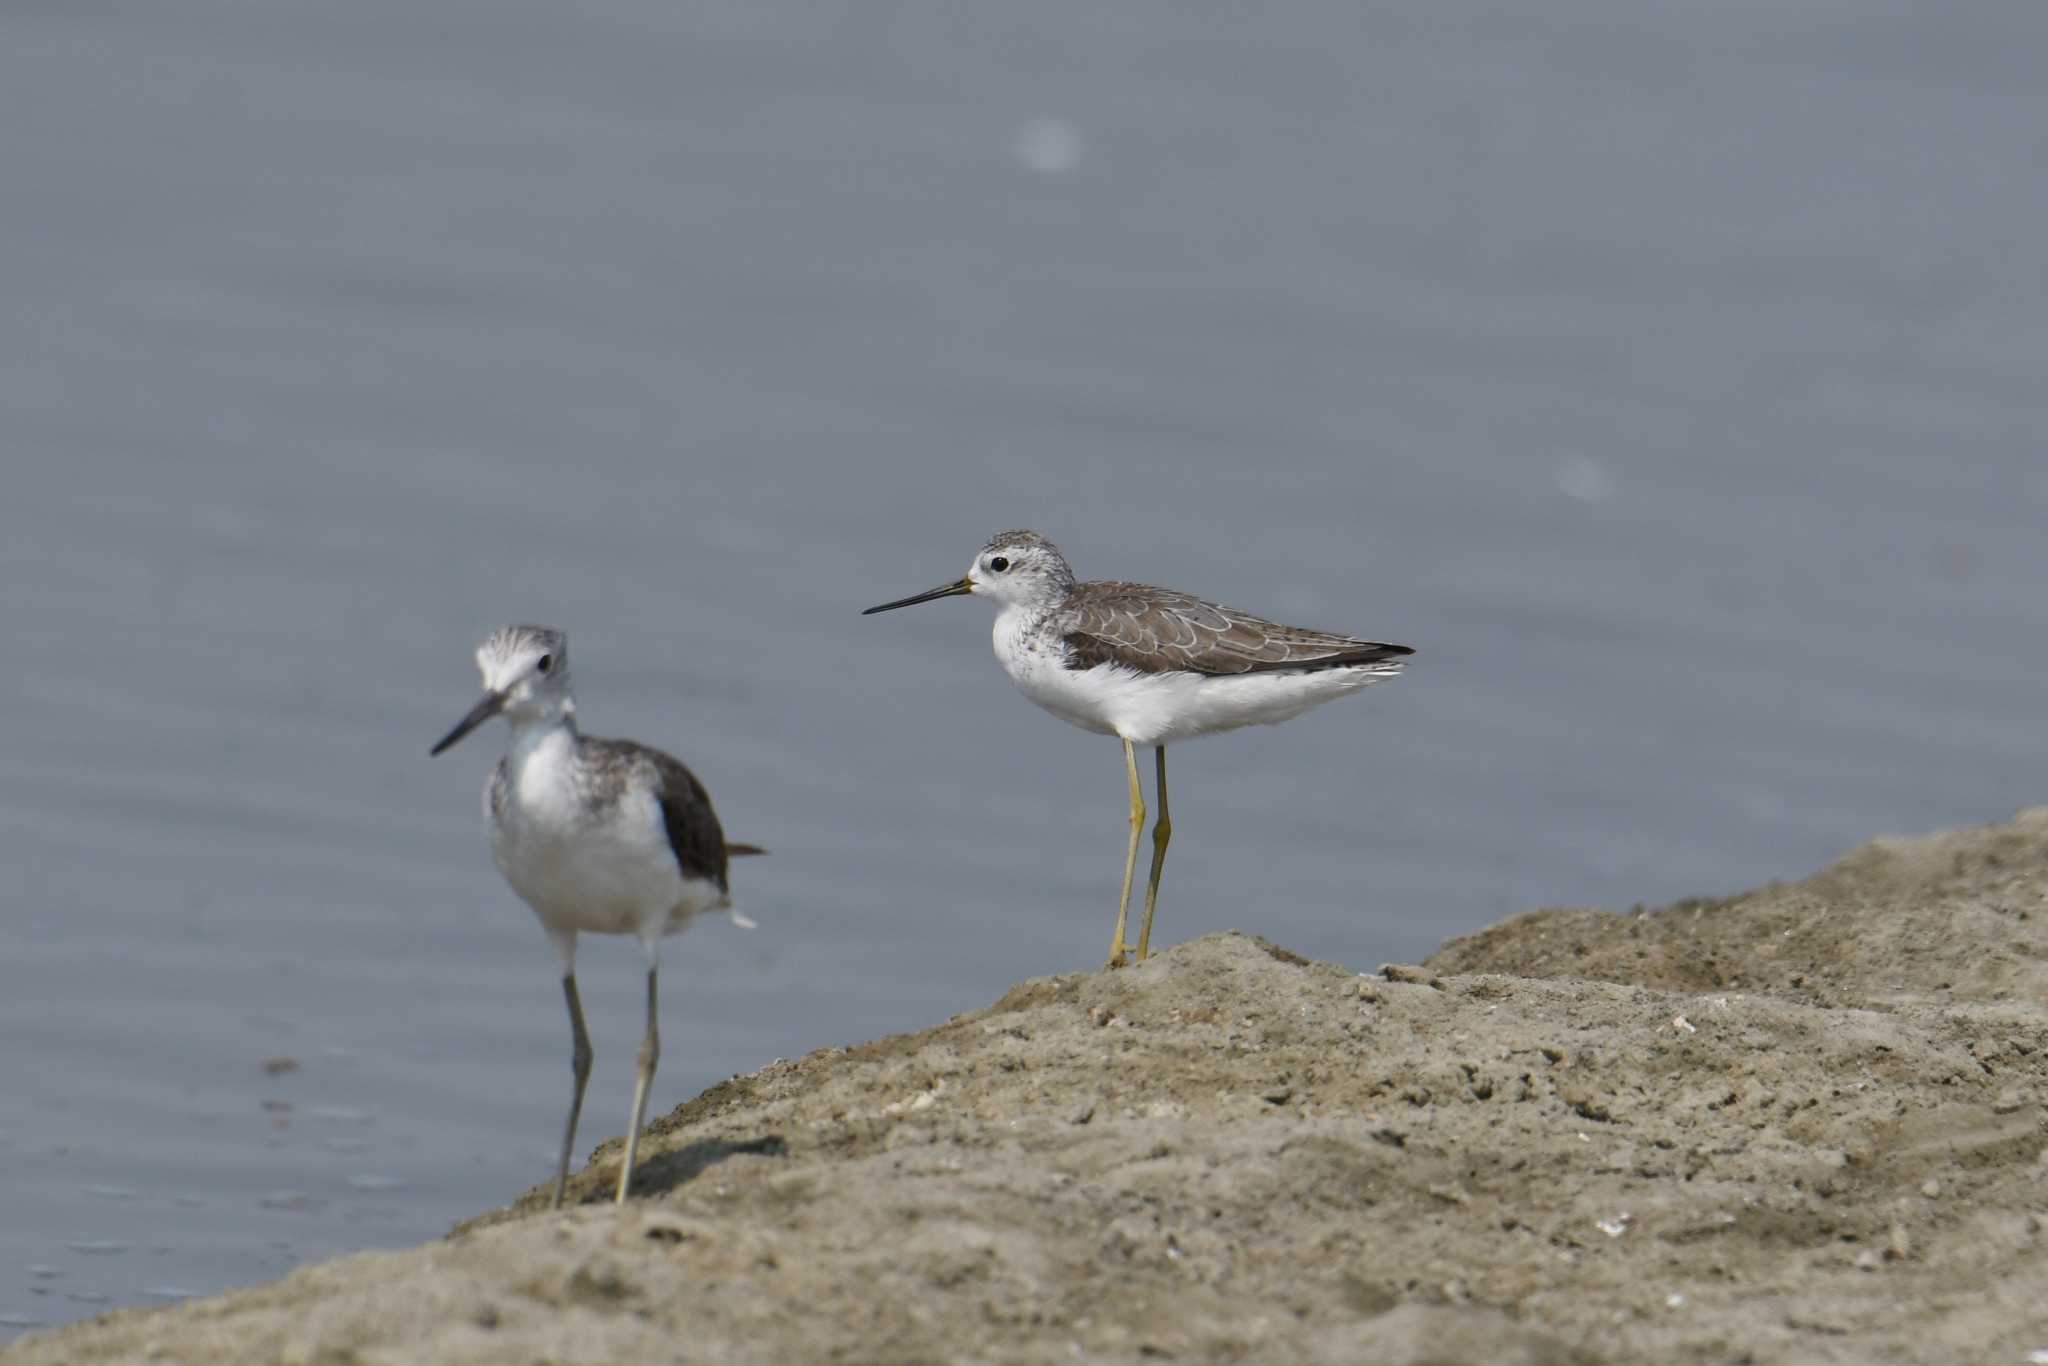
<point x="1801" y="1125"/>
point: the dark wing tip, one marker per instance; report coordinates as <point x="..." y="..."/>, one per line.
<point x="1367" y="652"/>
<point x="1357" y="655"/>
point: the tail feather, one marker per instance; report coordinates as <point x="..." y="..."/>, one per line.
<point x="740" y="850"/>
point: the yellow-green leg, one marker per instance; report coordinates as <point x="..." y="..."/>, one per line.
<point x="1117" y="946"/>
<point x="1162" y="835"/>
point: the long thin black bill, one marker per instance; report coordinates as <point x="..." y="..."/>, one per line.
<point x="945" y="590"/>
<point x="491" y="705"/>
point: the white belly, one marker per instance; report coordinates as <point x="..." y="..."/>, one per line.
<point x="1158" y="709"/>
<point x="606" y="872"/>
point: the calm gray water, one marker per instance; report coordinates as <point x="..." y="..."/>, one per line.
<point x="1671" y="376"/>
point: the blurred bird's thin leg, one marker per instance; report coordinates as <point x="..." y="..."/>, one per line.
<point x="650" y="1054"/>
<point x="579" y="1059"/>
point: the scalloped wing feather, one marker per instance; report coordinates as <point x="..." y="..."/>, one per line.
<point x="1154" y="630"/>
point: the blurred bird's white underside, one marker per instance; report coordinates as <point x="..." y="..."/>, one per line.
<point x="614" y="876"/>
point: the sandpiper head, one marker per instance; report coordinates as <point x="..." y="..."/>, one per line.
<point x="526" y="677"/>
<point x="1014" y="567"/>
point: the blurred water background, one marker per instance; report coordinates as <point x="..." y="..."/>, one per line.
<point x="1670" y="375"/>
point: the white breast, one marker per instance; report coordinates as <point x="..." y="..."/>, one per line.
<point x="1036" y="663"/>
<point x="607" y="870"/>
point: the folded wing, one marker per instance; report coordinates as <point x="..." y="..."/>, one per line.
<point x="686" y="812"/>
<point x="1154" y="630"/>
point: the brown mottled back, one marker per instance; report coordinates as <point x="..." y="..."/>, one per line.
<point x="1154" y="630"/>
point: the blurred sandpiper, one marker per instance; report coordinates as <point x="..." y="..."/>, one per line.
<point x="606" y="836"/>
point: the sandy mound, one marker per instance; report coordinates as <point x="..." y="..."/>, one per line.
<point x="1801" y="1125"/>
<point x="1941" y="918"/>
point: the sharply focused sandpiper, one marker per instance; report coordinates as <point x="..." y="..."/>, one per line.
<point x="601" y="835"/>
<point x="1150" y="666"/>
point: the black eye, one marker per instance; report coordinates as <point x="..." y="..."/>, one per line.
<point x="546" y="662"/>
<point x="999" y="564"/>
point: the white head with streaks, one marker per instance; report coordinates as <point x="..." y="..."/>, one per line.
<point x="526" y="679"/>
<point x="1015" y="568"/>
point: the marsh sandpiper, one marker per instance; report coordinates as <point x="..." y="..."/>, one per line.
<point x="1150" y="666"/>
